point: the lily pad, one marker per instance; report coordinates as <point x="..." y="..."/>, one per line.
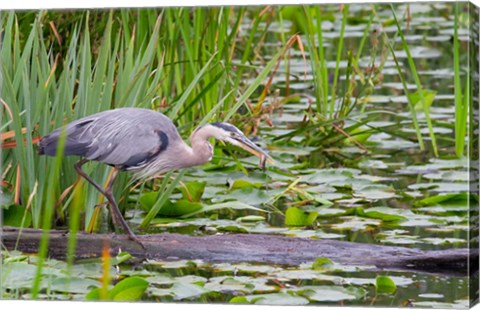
<point x="385" y="284"/>
<point x="280" y="299"/>
<point x="179" y="291"/>
<point x="332" y="293"/>
<point x="297" y="217"/>
<point x="236" y="205"/>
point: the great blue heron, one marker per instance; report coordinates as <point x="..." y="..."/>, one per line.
<point x="143" y="141"/>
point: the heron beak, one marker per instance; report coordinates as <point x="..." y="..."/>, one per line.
<point x="251" y="147"/>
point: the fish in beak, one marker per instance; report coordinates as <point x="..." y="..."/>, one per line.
<point x="248" y="145"/>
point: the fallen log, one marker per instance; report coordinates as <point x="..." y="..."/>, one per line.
<point x="271" y="249"/>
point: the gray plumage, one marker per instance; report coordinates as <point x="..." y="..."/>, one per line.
<point x="126" y="138"/>
<point x="139" y="140"/>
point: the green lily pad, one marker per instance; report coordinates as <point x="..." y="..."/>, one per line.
<point x="248" y="195"/>
<point x="236" y="205"/>
<point x="326" y="293"/>
<point x="435" y="199"/>
<point x="385" y="284"/>
<point x="375" y="191"/>
<point x="193" y="190"/>
<point x="322" y="263"/>
<point x="73" y="285"/>
<point x="129" y="289"/>
<point x="240" y="284"/>
<point x="280" y="299"/>
<point x="179" y="291"/>
<point x="442" y="187"/>
<point x="179" y="208"/>
<point x="297" y="217"/>
<point x="449" y="176"/>
<point x="385" y="214"/>
<point x="332" y="177"/>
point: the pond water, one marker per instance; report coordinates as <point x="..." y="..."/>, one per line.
<point x="394" y="194"/>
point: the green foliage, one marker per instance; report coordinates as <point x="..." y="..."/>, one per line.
<point x="297" y="217"/>
<point x="129" y="289"/>
<point x="175" y="60"/>
<point x="193" y="191"/>
<point x="15" y="215"/>
<point x="385" y="285"/>
<point x="322" y="263"/>
<point x="463" y="102"/>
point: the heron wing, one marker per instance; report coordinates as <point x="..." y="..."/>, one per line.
<point x="127" y="137"/>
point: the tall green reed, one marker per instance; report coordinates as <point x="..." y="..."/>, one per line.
<point x="462" y="97"/>
<point x="177" y="60"/>
<point x="418" y="83"/>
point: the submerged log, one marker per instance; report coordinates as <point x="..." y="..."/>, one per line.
<point x="271" y="249"/>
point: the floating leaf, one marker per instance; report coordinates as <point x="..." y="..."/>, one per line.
<point x="236" y="205"/>
<point x="385" y="214"/>
<point x="73" y="285"/>
<point x="179" y="208"/>
<point x="332" y="177"/>
<point x="129" y="289"/>
<point x="147" y="200"/>
<point x="239" y="284"/>
<point x="121" y="258"/>
<point x="385" y="284"/>
<point x="445" y="187"/>
<point x="449" y="176"/>
<point x="193" y="191"/>
<point x="322" y="263"/>
<point x="332" y="293"/>
<point x="180" y="291"/>
<point x="376" y="191"/>
<point x="251" y="218"/>
<point x="241" y="183"/>
<point x="433" y="200"/>
<point x="297" y="217"/>
<point x="280" y="299"/>
<point x="249" y="195"/>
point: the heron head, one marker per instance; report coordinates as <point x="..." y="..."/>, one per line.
<point x="231" y="134"/>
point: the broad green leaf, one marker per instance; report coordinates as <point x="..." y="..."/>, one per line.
<point x="332" y="293"/>
<point x="240" y="183"/>
<point x="147" y="200"/>
<point x="179" y="208"/>
<point x="433" y="200"/>
<point x="249" y="195"/>
<point x="93" y="295"/>
<point x="375" y="191"/>
<point x="129" y="289"/>
<point x="385" y="284"/>
<point x="73" y="285"/>
<point x="384" y="213"/>
<point x="193" y="191"/>
<point x="239" y="300"/>
<point x="17" y="216"/>
<point x="180" y="291"/>
<point x="297" y="217"/>
<point x="121" y="258"/>
<point x="280" y="299"/>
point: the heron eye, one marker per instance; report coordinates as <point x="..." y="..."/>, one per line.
<point x="232" y="134"/>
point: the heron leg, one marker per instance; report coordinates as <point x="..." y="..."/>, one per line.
<point x="116" y="214"/>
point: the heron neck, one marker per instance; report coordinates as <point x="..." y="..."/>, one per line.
<point x="200" y="152"/>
